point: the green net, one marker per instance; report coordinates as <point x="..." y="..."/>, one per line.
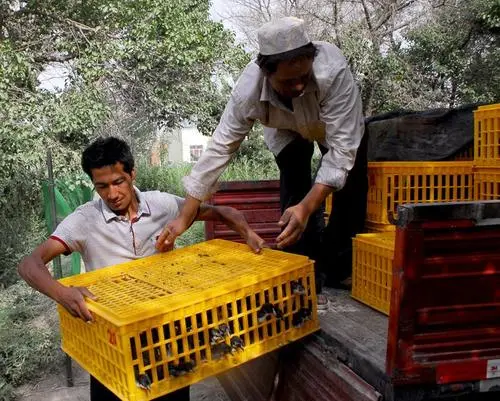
<point x="69" y="194"/>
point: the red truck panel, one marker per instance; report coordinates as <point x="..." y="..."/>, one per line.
<point x="444" y="325"/>
<point x="309" y="372"/>
<point x="258" y="200"/>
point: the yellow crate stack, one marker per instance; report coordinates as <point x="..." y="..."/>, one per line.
<point x="487" y="152"/>
<point x="487" y="136"/>
<point x="394" y="183"/>
<point x="391" y="184"/>
<point x="373" y="255"/>
<point x="170" y="320"/>
<point x="487" y="183"/>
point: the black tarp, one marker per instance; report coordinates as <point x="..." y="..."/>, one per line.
<point x="436" y="134"/>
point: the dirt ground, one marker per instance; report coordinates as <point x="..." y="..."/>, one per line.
<point x="53" y="388"/>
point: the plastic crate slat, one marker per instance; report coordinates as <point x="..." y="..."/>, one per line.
<point x="487" y="183"/>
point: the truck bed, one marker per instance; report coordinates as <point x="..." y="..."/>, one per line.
<point x="343" y="361"/>
<point x="442" y="338"/>
<point x="357" y="333"/>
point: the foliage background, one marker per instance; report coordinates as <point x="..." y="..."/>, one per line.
<point x="132" y="68"/>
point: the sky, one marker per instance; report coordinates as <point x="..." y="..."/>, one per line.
<point x="217" y="8"/>
<point x="53" y="77"/>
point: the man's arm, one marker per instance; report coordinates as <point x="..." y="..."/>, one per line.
<point x="341" y="112"/>
<point x="235" y="220"/>
<point x="232" y="129"/>
<point x="175" y="228"/>
<point x="34" y="271"/>
<point x="294" y="219"/>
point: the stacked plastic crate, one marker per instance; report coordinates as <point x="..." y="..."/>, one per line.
<point x="487" y="152"/>
<point x="372" y="259"/>
<point x="395" y="183"/>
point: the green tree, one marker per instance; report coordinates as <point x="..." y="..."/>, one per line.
<point x="411" y="54"/>
<point x="456" y="53"/>
<point x="129" y="66"/>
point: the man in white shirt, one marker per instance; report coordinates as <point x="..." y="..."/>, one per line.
<point x="120" y="226"/>
<point x="302" y="92"/>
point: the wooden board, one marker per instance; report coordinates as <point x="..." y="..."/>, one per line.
<point x="357" y="334"/>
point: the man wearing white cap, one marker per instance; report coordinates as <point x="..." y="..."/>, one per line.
<point x="301" y="92"/>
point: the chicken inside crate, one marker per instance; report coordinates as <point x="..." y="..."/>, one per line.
<point x="173" y="319"/>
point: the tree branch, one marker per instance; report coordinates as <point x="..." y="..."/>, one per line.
<point x="80" y="26"/>
<point x="268" y="10"/>
<point x="319" y="17"/>
<point x="390" y="13"/>
<point x="367" y="16"/>
<point x="467" y="39"/>
<point x="336" y="22"/>
<point x="54" y="58"/>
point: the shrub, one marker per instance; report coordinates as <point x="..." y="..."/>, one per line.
<point x="20" y="234"/>
<point x="29" y="337"/>
<point x="162" y="178"/>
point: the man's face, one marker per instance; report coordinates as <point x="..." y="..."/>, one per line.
<point x="114" y="186"/>
<point x="291" y="77"/>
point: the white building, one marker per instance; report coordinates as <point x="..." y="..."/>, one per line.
<point x="186" y="144"/>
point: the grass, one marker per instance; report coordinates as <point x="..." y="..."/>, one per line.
<point x="194" y="235"/>
<point x="169" y="178"/>
<point x="29" y="338"/>
<point x="247" y="169"/>
<point x="162" y="178"/>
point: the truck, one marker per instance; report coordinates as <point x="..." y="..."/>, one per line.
<point x="441" y="340"/>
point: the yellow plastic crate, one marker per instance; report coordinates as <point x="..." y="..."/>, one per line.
<point x="487" y="183"/>
<point x="394" y="183"/>
<point x="487" y="135"/>
<point x="378" y="227"/>
<point x="372" y="259"/>
<point x="466" y="154"/>
<point x="328" y="207"/>
<point x="170" y="320"/>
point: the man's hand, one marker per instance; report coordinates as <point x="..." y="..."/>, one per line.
<point x="172" y="230"/>
<point x="294" y="222"/>
<point x="189" y="213"/>
<point x="73" y="299"/>
<point x="236" y="221"/>
<point x="254" y="241"/>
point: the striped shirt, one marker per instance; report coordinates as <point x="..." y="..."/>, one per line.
<point x="104" y="238"/>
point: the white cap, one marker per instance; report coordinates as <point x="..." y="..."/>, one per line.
<point x="282" y="35"/>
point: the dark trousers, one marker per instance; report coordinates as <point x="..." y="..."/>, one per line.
<point x="99" y="392"/>
<point x="330" y="246"/>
